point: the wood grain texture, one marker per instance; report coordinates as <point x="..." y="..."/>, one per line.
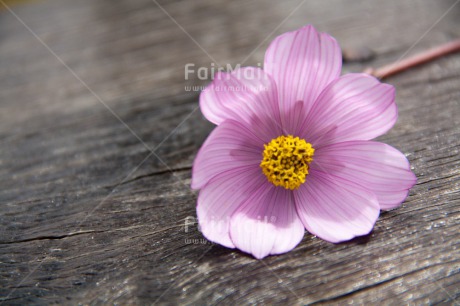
<point x="89" y="216"/>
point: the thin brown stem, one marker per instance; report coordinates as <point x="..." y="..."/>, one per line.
<point x="426" y="56"/>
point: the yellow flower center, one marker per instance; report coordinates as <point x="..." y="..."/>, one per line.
<point x="286" y="160"/>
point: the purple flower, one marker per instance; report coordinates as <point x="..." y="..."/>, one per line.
<point x="292" y="150"/>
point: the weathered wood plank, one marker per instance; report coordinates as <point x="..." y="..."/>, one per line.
<point x="71" y="233"/>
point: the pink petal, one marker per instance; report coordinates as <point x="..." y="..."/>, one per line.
<point x="335" y="209"/>
<point x="375" y="166"/>
<point x="247" y="94"/>
<point x="353" y="107"/>
<point x="267" y="223"/>
<point x="222" y="196"/>
<point x="303" y="63"/>
<point x="230" y="145"/>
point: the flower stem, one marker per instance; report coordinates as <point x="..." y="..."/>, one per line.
<point x="415" y="60"/>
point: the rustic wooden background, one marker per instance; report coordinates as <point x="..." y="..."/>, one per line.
<point x="98" y="134"/>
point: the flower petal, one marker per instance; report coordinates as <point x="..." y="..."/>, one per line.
<point x="230" y="145"/>
<point x="335" y="209"/>
<point x="222" y="196"/>
<point x="375" y="166"/>
<point x="303" y="63"/>
<point x="247" y="94"/>
<point x="267" y="223"/>
<point x="353" y="107"/>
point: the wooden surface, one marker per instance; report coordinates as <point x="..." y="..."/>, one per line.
<point x="90" y="216"/>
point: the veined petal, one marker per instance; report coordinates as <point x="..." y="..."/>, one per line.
<point x="303" y="63"/>
<point x="230" y="145"/>
<point x="335" y="209"/>
<point x="353" y="107"/>
<point x="222" y="196"/>
<point x="247" y="94"/>
<point x="267" y="223"/>
<point x="375" y="166"/>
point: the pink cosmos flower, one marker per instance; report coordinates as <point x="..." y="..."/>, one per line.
<point x="292" y="150"/>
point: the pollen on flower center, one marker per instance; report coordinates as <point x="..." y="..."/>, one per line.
<point x="286" y="161"/>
